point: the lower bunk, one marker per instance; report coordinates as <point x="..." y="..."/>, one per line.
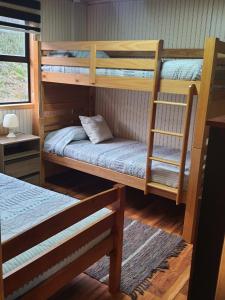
<point x="48" y="238"/>
<point x="122" y="161"/>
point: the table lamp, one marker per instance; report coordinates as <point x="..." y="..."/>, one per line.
<point x="11" y="122"/>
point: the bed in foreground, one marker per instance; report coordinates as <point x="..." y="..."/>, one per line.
<point x="47" y="238"/>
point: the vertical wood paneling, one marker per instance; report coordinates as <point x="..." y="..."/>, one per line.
<point x="56" y="20"/>
<point x="180" y="23"/>
<point x="79" y="22"/>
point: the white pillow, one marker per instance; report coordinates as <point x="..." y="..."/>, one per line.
<point x="96" y="128"/>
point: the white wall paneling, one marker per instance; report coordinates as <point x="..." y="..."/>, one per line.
<point x="63" y="20"/>
<point x="25" y="120"/>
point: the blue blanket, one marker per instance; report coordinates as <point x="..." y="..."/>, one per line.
<point x="56" y="141"/>
<point x="126" y="156"/>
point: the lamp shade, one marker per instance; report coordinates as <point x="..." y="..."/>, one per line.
<point x="10" y="121"/>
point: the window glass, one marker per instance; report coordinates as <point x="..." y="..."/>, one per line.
<point x="12" y="42"/>
<point x="13" y="82"/>
<point x="14" y="64"/>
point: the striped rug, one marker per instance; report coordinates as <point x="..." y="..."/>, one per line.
<point x="146" y="250"/>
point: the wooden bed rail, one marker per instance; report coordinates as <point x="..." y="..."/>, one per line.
<point x="93" y="62"/>
<point x="113" y="221"/>
<point x="133" y="45"/>
<point x="182" y="53"/>
<point x="54" y="224"/>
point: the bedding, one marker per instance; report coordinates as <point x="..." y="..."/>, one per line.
<point x="128" y="157"/>
<point x="96" y="128"/>
<point x="24" y="205"/>
<point x="175" y="69"/>
<point x="80" y="54"/>
<point x="58" y="139"/>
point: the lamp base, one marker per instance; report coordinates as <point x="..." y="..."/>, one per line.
<point x="11" y="134"/>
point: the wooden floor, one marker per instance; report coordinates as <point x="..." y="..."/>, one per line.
<point x="152" y="210"/>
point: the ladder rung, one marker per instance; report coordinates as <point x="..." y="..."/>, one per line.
<point x="163" y="187"/>
<point x="166" y="161"/>
<point x="170" y="103"/>
<point x="177" y="134"/>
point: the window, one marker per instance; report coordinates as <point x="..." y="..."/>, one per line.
<point x="14" y="67"/>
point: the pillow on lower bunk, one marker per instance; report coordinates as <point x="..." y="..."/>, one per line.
<point x="96" y="128"/>
<point x="57" y="140"/>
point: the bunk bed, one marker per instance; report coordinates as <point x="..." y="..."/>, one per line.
<point x="48" y="238"/>
<point x="134" y="65"/>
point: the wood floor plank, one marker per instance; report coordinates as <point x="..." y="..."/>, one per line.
<point x="174" y="290"/>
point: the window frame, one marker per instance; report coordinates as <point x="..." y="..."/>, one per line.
<point x="20" y="59"/>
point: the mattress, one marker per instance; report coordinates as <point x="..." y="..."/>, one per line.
<point x="127" y="157"/>
<point x="176" y="69"/>
<point x="24" y="205"/>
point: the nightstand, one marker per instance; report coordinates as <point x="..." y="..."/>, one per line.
<point x="20" y="157"/>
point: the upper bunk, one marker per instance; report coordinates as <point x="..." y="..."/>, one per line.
<point x="133" y="65"/>
<point x="142" y="65"/>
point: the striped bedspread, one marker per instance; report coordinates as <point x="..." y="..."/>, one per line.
<point x="22" y="206"/>
<point x="126" y="156"/>
<point x="176" y="69"/>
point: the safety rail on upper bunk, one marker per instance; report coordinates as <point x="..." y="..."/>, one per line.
<point x="93" y="63"/>
<point x="126" y="55"/>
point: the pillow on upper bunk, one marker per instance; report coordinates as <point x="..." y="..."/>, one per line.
<point x="86" y="54"/>
<point x="59" y="53"/>
<point x="96" y="128"/>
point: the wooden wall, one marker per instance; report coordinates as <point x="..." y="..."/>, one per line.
<point x="63" y="20"/>
<point x="180" y="23"/>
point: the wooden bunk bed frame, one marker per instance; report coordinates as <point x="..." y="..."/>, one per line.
<point x="112" y="246"/>
<point x="211" y="102"/>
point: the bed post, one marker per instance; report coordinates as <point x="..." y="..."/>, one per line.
<point x="199" y="141"/>
<point x="152" y="112"/>
<point x="116" y="254"/>
<point x="35" y="81"/>
<point x="1" y="273"/>
<point x="36" y="88"/>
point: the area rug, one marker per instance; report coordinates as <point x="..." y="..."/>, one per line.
<point x="146" y="250"/>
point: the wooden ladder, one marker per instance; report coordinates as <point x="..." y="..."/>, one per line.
<point x="178" y="191"/>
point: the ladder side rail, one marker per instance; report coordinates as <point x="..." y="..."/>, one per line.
<point x="184" y="147"/>
<point x="152" y="111"/>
